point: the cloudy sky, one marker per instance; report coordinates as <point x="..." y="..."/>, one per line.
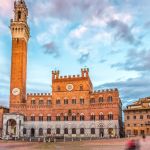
<point x="110" y="37"/>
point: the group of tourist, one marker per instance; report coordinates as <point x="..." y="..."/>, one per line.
<point x="134" y="144"/>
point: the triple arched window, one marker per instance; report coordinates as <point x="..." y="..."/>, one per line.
<point x="101" y="99"/>
<point x="32" y="118"/>
<point x="74" y="117"/>
<point x="41" y="118"/>
<point x="92" y="118"/>
<point x="109" y="99"/>
<point x="19" y="15"/>
<point x="82" y="117"/>
<point x="58" y="118"/>
<point x="110" y="116"/>
<point x="40" y="132"/>
<point x="48" y="131"/>
<point x="101" y="116"/>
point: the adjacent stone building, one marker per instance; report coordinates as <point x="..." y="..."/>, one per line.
<point x="3" y="110"/>
<point x="137" y="118"/>
<point x="72" y="109"/>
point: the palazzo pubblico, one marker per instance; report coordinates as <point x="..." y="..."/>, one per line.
<point x="72" y="109"/>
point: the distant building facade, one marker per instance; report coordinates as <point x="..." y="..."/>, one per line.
<point x="137" y="118"/>
<point x="73" y="109"/>
<point x="3" y="110"/>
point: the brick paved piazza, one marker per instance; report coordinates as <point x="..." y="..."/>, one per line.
<point x="114" y="144"/>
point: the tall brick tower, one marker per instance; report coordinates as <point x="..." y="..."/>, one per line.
<point x="20" y="36"/>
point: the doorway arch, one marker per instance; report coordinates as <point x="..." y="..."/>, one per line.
<point x="11" y="127"/>
<point x="32" y="132"/>
<point x="101" y="132"/>
<point x="110" y="132"/>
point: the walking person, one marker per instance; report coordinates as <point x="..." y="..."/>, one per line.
<point x="131" y="145"/>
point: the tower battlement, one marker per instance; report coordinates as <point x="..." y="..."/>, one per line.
<point x="20" y="3"/>
<point x="18" y="25"/>
<point x="84" y="74"/>
<point x="38" y="94"/>
<point x="105" y="90"/>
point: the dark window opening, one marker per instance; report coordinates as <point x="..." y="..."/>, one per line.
<point x="49" y="102"/>
<point x="81" y="101"/>
<point x="82" y="118"/>
<point x="58" y="131"/>
<point x="101" y="100"/>
<point x="82" y="131"/>
<point x="65" y="118"/>
<point x="73" y="118"/>
<point x="24" y="131"/>
<point x="58" y="118"/>
<point x="92" y="130"/>
<point x="110" y="116"/>
<point x="58" y="88"/>
<point x="92" y="117"/>
<point x="110" y="99"/>
<point x="73" y="131"/>
<point x="141" y="116"/>
<point x="48" y="118"/>
<point x="65" y="101"/>
<point x="19" y="15"/>
<point x="40" y="132"/>
<point x="32" y="118"/>
<point x="48" y="131"/>
<point x="40" y="118"/>
<point x="73" y="101"/>
<point x="41" y="102"/>
<point x="58" y="102"/>
<point x="65" y="131"/>
<point x="92" y="101"/>
<point x="81" y="87"/>
<point x="101" y="117"/>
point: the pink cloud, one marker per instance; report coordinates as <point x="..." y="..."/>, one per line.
<point x="6" y="7"/>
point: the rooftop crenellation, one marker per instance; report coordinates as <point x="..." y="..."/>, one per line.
<point x="105" y="90"/>
<point x="39" y="94"/>
<point x="84" y="74"/>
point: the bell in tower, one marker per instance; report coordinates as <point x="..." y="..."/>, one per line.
<point x="21" y="11"/>
<point x="19" y="26"/>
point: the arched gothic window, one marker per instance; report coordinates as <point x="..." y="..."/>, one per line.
<point x="24" y="131"/>
<point x="92" y="130"/>
<point x="40" y="132"/>
<point x="19" y="15"/>
<point x="92" y="117"/>
<point x="73" y="131"/>
<point x="110" y="116"/>
<point x="82" y="117"/>
<point x="109" y="99"/>
<point x="101" y="116"/>
<point x="58" y="131"/>
<point x="65" y="131"/>
<point x="48" y="131"/>
<point x="101" y="99"/>
<point x="73" y="117"/>
<point x="82" y="131"/>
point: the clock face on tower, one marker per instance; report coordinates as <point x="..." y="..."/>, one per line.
<point x="69" y="87"/>
<point x="16" y="91"/>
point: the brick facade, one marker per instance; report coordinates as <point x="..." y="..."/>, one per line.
<point x="137" y="118"/>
